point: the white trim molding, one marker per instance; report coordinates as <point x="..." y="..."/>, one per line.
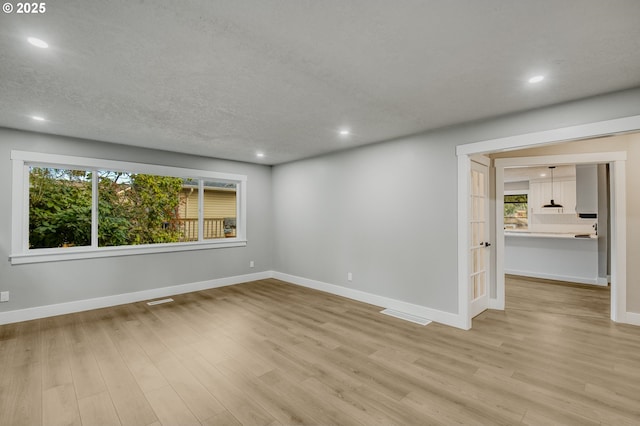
<point x="546" y="160"/>
<point x="442" y="317"/>
<point x="73" y="253"/>
<point x="28" y="314"/>
<point x="528" y="140"/>
<point x="37" y="312"/>
<point x="601" y="282"/>
<point x="618" y="217"/>
<point x="21" y="253"/>
<point x="633" y="318"/>
<point x="564" y="134"/>
<point x="122" y="166"/>
<point x="464" y="241"/>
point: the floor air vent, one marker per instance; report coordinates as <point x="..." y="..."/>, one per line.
<point x="158" y="302"/>
<point x="406" y="317"/>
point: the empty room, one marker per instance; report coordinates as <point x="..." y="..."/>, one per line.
<point x="320" y="213"/>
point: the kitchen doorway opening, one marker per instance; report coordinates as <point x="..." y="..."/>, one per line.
<point x="617" y="164"/>
<point x="561" y="256"/>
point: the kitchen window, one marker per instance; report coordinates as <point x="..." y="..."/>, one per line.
<point x="516" y="209"/>
<point x="72" y="208"/>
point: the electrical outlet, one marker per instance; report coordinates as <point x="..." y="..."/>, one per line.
<point x="251" y="264"/>
<point x="4" y="296"/>
<point x="349" y="276"/>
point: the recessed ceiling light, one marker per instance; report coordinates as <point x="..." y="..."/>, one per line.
<point x="543" y="174"/>
<point x="345" y="132"/>
<point x="260" y="154"/>
<point x="37" y="42"/>
<point x="536" y="79"/>
<point x="38" y="118"/>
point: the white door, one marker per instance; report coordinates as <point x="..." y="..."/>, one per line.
<point x="479" y="250"/>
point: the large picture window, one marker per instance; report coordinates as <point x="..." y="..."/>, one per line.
<point x="71" y="207"/>
<point x="136" y="208"/>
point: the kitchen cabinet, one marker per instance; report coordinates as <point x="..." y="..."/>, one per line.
<point x="564" y="193"/>
<point x="568" y="191"/>
<point x="587" y="189"/>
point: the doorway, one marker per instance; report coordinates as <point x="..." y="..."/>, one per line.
<point x="616" y="162"/>
<point x="618" y="204"/>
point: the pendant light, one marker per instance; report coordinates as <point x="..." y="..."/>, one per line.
<point x="552" y="204"/>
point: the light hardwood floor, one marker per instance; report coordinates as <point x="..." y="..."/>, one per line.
<point x="268" y="352"/>
<point x="557" y="297"/>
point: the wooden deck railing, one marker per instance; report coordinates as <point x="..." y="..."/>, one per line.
<point x="212" y="228"/>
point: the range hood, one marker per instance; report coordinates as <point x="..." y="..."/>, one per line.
<point x="552" y="204"/>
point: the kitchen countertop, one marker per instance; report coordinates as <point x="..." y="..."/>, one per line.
<point x="553" y="256"/>
<point x="513" y="233"/>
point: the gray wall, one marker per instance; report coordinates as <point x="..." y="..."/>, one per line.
<point x="382" y="212"/>
<point x="388" y="212"/>
<point x="40" y="284"/>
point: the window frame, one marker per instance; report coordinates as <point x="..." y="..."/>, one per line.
<point x="518" y="192"/>
<point x="20" y="252"/>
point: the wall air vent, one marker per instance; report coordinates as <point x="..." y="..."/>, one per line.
<point x="158" y="302"/>
<point x="406" y="317"/>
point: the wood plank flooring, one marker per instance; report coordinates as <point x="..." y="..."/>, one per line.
<point x="557" y="297"/>
<point x="271" y="353"/>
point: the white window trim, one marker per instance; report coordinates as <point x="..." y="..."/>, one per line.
<point x="20" y="252"/>
<point x="517" y="192"/>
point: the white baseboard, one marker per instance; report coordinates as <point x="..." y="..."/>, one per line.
<point x="496" y="304"/>
<point x="581" y="280"/>
<point x="632" y="318"/>
<point x="442" y="317"/>
<point x="121" y="299"/>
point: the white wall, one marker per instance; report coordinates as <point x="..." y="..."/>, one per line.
<point x="388" y="212"/>
<point x="33" y="285"/>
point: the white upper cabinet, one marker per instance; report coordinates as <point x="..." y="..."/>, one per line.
<point x="587" y="188"/>
<point x="568" y="191"/>
<point x="564" y="193"/>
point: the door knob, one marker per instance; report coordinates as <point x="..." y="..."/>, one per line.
<point x="487" y="244"/>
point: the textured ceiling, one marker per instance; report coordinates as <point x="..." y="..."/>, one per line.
<point x="229" y="78"/>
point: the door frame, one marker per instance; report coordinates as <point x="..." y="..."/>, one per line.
<point x="530" y="140"/>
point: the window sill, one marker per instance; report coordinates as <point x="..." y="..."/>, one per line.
<point x="56" y="255"/>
